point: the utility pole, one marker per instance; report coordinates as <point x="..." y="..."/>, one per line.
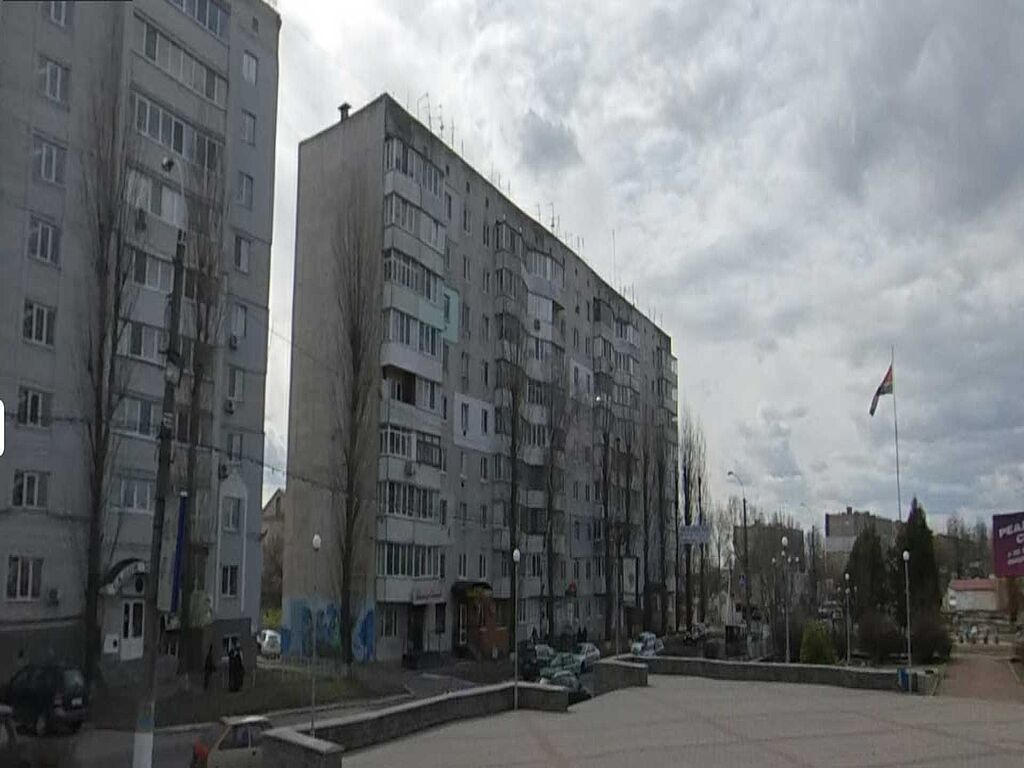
<point x="142" y="747"/>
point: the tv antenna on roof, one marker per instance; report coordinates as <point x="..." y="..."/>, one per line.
<point x="420" y="100"/>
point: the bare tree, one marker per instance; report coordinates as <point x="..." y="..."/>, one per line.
<point x="204" y="314"/>
<point x="649" y="448"/>
<point x="663" y="527"/>
<point x="356" y="335"/>
<point x="109" y="188"/>
<point x="560" y="414"/>
<point x="691" y="456"/>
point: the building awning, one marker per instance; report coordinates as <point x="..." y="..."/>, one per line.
<point x="121" y="572"/>
<point x="471" y="589"/>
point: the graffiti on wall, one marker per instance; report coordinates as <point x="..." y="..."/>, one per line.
<point x="297" y="632"/>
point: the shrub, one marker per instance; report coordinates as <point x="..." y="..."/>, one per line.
<point x="878" y="636"/>
<point x="929" y="638"/>
<point x="816" y="645"/>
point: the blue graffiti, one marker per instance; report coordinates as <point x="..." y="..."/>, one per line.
<point x="297" y="632"/>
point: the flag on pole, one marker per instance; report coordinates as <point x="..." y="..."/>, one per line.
<point x="885" y="388"/>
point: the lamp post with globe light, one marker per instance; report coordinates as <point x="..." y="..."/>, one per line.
<point x="906" y="577"/>
<point x="515" y="623"/>
<point x="847" y="577"/>
<point x="312" y="669"/>
<point x="785" y="594"/>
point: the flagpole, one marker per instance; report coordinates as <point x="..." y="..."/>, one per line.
<point x="896" y="432"/>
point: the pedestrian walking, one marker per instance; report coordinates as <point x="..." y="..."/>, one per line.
<point x="208" y="668"/>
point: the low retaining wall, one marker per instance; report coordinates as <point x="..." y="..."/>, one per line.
<point x="368" y="728"/>
<point x="811" y="674"/>
<point x="286" y="746"/>
<point x="612" y="674"/>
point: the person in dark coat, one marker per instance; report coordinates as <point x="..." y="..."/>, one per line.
<point x="208" y="668"/>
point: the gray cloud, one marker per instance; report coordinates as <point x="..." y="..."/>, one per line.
<point x="794" y="188"/>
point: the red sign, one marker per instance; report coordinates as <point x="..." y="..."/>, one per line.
<point x="1008" y="544"/>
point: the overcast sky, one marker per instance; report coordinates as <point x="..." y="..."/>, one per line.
<point x="794" y="187"/>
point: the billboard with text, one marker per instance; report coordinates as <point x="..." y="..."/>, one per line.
<point x="1008" y="544"/>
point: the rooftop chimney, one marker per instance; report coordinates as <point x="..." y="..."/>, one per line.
<point x="343" y="112"/>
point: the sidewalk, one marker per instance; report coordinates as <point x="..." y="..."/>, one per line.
<point x="982" y="676"/>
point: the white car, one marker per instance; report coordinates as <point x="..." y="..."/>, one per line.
<point x="235" y="742"/>
<point x="269" y="643"/>
<point x="588" y="654"/>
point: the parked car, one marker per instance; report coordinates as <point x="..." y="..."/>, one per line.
<point x="647" y="644"/>
<point x="46" y="697"/>
<point x="12" y="751"/>
<point x="235" y="742"/>
<point x="562" y="662"/>
<point x="588" y="654"/>
<point x="269" y="643"/>
<point x="532" y="658"/>
<point x="571" y="683"/>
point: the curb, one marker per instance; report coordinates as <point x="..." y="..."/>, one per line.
<point x="383" y="701"/>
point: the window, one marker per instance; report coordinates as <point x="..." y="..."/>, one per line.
<point x="43" y="241"/>
<point x="483" y="420"/>
<point x="576" y="530"/>
<point x="30" y="489"/>
<point x="462" y="565"/>
<point x="24" y="576"/>
<point x="483" y="468"/>
<point x="248" y="127"/>
<point x="144" y="342"/>
<point x="48" y="160"/>
<point x="136" y="494"/>
<point x="234" y="446"/>
<point x="232" y="513"/>
<point x="137" y="416"/>
<point x="151" y="272"/>
<point x="481" y="567"/>
<point x="243" y="248"/>
<point x="467" y="222"/>
<point x="236" y="384"/>
<point x="167" y="129"/>
<point x="464" y="421"/>
<point x="243" y="195"/>
<point x="407" y="271"/>
<point x="396" y="441"/>
<point x="54" y="80"/>
<point x="388" y="620"/>
<point x="440" y="616"/>
<point x="38" y="323"/>
<point x="58" y="12"/>
<point x="485" y="373"/>
<point x="207" y="13"/>
<point x="447" y="206"/>
<point x="180" y="64"/>
<point x="229" y="581"/>
<point x="576" y="569"/>
<point x="34" y="407"/>
<point x="486" y="328"/>
<point x="239" y="315"/>
<point x="249" y="68"/>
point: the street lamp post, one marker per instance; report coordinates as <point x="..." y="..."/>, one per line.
<point x="847" y="614"/>
<point x="312" y="669"/>
<point x="785" y="593"/>
<point x="515" y="619"/>
<point x="906" y="577"/>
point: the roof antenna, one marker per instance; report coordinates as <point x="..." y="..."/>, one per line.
<point x="440" y="112"/>
<point x="552" y="206"/>
<point x="614" y="272"/>
<point x="420" y="100"/>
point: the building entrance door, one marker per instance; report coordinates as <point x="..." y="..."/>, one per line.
<point x="415" y="629"/>
<point x="132" y="622"/>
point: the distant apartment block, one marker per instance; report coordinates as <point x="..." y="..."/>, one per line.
<point x="194" y="81"/>
<point x="462" y="272"/>
<point x="842" y="529"/>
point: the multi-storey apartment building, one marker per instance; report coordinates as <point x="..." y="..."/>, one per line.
<point x="502" y="354"/>
<point x="192" y="85"/>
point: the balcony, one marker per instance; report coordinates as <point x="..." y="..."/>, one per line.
<point x="558" y="543"/>
<point x="404" y="589"/>
<point x="408" y="530"/>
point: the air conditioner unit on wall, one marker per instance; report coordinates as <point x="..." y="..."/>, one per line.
<point x="229" y="405"/>
<point x="53" y="596"/>
<point x="233" y="341"/>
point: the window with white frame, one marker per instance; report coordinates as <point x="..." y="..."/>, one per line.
<point x="24" y="577"/>
<point x="236" y="384"/>
<point x="49" y="160"/>
<point x="399" y="211"/>
<point x="152" y="272"/>
<point x="43" y="240"/>
<point x="38" y="323"/>
<point x="234" y="446"/>
<point x="248" y="127"/>
<point x="229" y="581"/>
<point x="243" y="193"/>
<point x="388" y="620"/>
<point x="54" y="80"/>
<point x="57" y="12"/>
<point x="180" y="64"/>
<point x="144" y="342"/>
<point x="396" y="441"/>
<point x="464" y="417"/>
<point x="138" y="416"/>
<point x="463" y="570"/>
<point x="484" y="423"/>
<point x="243" y="249"/>
<point x="481" y="567"/>
<point x="232" y="513"/>
<point x="208" y="13"/>
<point x="135" y="494"/>
<point x="30" y="489"/>
<point x="249" y="65"/>
<point x="483" y="468"/>
<point x="35" y="407"/>
<point x="176" y="134"/>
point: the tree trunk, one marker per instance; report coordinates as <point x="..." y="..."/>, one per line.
<point x="608" y="596"/>
<point x="187" y="660"/>
<point x="647" y="540"/>
<point x="678" y="558"/>
<point x="662" y="564"/>
<point x="550" y="603"/>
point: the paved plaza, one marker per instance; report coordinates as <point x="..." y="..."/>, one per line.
<point x="684" y="721"/>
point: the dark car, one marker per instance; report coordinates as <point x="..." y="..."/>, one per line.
<point x="45" y="697"/>
<point x="532" y="658"/>
<point x="570" y="682"/>
<point x="12" y="752"/>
